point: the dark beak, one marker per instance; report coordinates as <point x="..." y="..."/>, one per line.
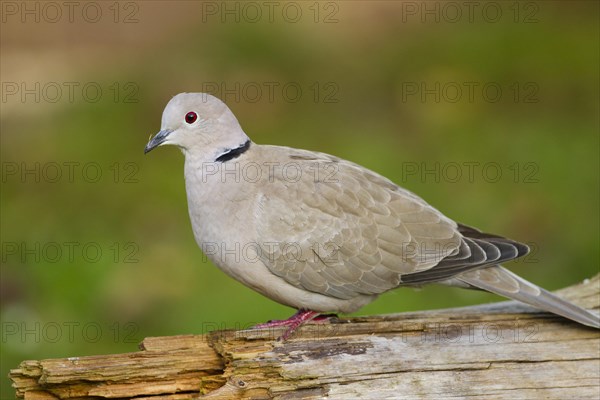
<point x="157" y="140"/>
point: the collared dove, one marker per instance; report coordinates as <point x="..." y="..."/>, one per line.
<point x="319" y="233"/>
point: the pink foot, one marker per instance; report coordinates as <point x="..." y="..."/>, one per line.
<point x="292" y="323"/>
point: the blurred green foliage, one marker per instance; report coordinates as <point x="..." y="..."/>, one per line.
<point x="369" y="58"/>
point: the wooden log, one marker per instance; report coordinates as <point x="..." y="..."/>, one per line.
<point x="503" y="351"/>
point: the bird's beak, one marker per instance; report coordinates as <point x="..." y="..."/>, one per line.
<point x="157" y="140"/>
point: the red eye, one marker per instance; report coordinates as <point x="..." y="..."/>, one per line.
<point x="191" y="117"/>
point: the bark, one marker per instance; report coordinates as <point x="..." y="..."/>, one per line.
<point x="502" y="351"/>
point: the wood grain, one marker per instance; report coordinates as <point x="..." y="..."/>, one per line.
<point x="503" y="351"/>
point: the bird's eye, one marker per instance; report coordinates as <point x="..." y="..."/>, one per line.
<point x="191" y="117"/>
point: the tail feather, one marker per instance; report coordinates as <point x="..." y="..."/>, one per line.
<point x="476" y="265"/>
<point x="501" y="281"/>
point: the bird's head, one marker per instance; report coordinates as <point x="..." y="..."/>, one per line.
<point x="199" y="123"/>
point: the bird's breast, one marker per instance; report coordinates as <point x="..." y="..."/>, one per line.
<point x="220" y="206"/>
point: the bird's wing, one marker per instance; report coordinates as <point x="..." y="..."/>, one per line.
<point x="338" y="229"/>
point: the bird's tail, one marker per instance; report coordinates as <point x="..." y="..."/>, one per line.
<point x="501" y="281"/>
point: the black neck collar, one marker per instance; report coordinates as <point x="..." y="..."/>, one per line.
<point x="233" y="153"/>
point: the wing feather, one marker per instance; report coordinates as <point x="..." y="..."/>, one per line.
<point x="356" y="234"/>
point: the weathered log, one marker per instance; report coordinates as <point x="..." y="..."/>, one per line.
<point x="503" y="351"/>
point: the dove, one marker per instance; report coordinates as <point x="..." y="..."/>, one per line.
<point x="321" y="234"/>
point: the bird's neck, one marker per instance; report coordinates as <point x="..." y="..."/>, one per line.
<point x="230" y="154"/>
<point x="207" y="167"/>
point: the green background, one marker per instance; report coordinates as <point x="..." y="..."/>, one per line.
<point x="353" y="62"/>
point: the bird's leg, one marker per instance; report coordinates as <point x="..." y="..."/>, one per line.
<point x="292" y="323"/>
<point x="324" y="318"/>
<point x="278" y="322"/>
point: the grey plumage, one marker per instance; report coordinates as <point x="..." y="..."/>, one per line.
<point x="330" y="235"/>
